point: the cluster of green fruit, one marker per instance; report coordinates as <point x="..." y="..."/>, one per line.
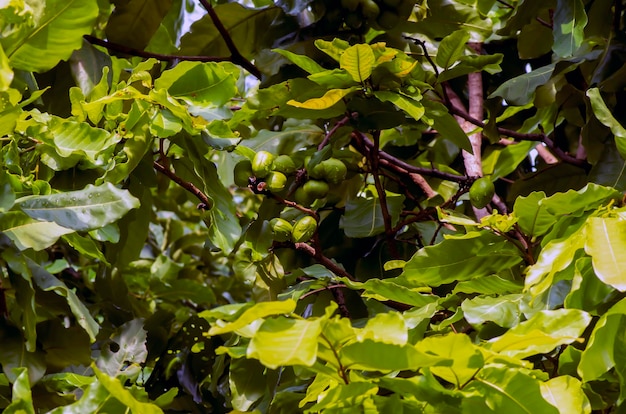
<point x="300" y="232"/>
<point x="361" y="14"/>
<point x="274" y="172"/>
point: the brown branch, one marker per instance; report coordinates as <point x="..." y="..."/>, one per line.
<point x="323" y="260"/>
<point x="205" y="202"/>
<point x="295" y="205"/>
<point x="540" y="20"/>
<point x="235" y="56"/>
<point x="343" y="121"/>
<point x="142" y="53"/>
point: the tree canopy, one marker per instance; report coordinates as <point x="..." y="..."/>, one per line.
<point x="312" y="206"/>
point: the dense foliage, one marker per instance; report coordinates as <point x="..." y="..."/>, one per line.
<point x="312" y="206"/>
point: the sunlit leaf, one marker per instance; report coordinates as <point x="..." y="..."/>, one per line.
<point x="358" y="61"/>
<point x="451" y="48"/>
<point x="302" y="61"/>
<point x="370" y="355"/>
<point x="119" y="392"/>
<point x="605" y="242"/>
<point x="466" y="357"/>
<point x="604" y="115"/>
<point x="21" y="399"/>
<point x="570" y="20"/>
<point x="503" y="310"/>
<point x="407" y="104"/>
<point x="28" y="233"/>
<point x="257" y="311"/>
<point x="329" y="99"/>
<point x="566" y="394"/>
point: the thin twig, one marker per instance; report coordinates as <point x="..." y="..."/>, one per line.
<point x="205" y="202"/>
<point x="323" y="260"/>
<point x="235" y="56"/>
<point x="343" y="121"/>
<point x="142" y="53"/>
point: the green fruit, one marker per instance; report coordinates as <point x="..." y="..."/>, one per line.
<point x="262" y="164"/>
<point x="302" y="197"/>
<point x="281" y="229"/>
<point x="276" y="181"/>
<point x="350" y="4"/>
<point x="388" y="20"/>
<point x="284" y="164"/>
<point x="304" y="229"/>
<point x="481" y="192"/>
<point x="317" y="171"/>
<point x="334" y="170"/>
<point x="316" y="189"/>
<point x="370" y="9"/>
<point x="242" y="172"/>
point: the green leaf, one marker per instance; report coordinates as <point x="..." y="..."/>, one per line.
<point x="119" y="392"/>
<point x="134" y="22"/>
<point x="257" y="311"/>
<point x="326" y="101"/>
<point x="199" y="83"/>
<point x="247" y="382"/>
<point x="569" y="24"/>
<point x="85" y="246"/>
<point x="587" y="292"/>
<point x="21" y="400"/>
<point x="358" y="61"/>
<point x="407" y="104"/>
<point x="451" y="48"/>
<point x="333" y="79"/>
<point x="466" y="357"/>
<point x="333" y="49"/>
<point x="543" y="332"/>
<point x="345" y="398"/>
<point x="604" y="115"/>
<point x="28" y="233"/>
<point x="57" y="32"/>
<point x="477" y="254"/>
<point x="600" y="354"/>
<point x="370" y="355"/>
<point x="503" y="310"/>
<point x="566" y="394"/>
<point x="83" y="210"/>
<point x="364" y="217"/>
<point x="500" y="162"/>
<point x="471" y="64"/>
<point x="302" y="61"/>
<point x="385" y="327"/>
<point x="489" y="285"/>
<point x="6" y="73"/>
<point x="382" y="290"/>
<point x="282" y="341"/>
<point x="520" y="90"/>
<point x="13" y="355"/>
<point x="445" y="124"/>
<point x="129" y="353"/>
<point x="250" y="29"/>
<point x="95" y="397"/>
<point x="605" y="242"/>
<point x="511" y="391"/>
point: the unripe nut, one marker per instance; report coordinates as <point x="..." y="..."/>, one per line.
<point x="304" y="229"/>
<point x="276" y="181"/>
<point x="284" y="164"/>
<point x="262" y="164"/>
<point x="316" y="189"/>
<point x="334" y="170"/>
<point x="242" y="173"/>
<point x="281" y="229"/>
<point x="481" y="192"/>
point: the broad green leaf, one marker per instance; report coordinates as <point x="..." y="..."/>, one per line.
<point x="364" y="217"/>
<point x="556" y="256"/>
<point x="370" y="355"/>
<point x="21" y="398"/>
<point x="451" y="48"/>
<point x="380" y="289"/>
<point x="358" y="61"/>
<point x="520" y="90"/>
<point x="604" y="115"/>
<point x="57" y="32"/>
<point x="83" y="210"/>
<point x="85" y="246"/>
<point x="302" y="61"/>
<point x="345" y="398"/>
<point x="130" y="351"/>
<point x="566" y="394"/>
<point x="407" y="104"/>
<point x="333" y="79"/>
<point x="257" y="311"/>
<point x="471" y="64"/>
<point x="28" y="233"/>
<point x="185" y="289"/>
<point x="543" y="332"/>
<point x="587" y="291"/>
<point x="134" y="22"/>
<point x="500" y="162"/>
<point x="66" y="381"/>
<point x="478" y="254"/>
<point x="445" y="124"/>
<point x="122" y="394"/>
<point x="466" y="357"/>
<point x="570" y="20"/>
<point x="503" y="310"/>
<point x="600" y="354"/>
<point x="250" y="29"/>
<point x="333" y="49"/>
<point x="6" y="73"/>
<point x="507" y="390"/>
<point x="329" y="99"/>
<point x="247" y="382"/>
<point x="282" y="341"/>
<point x="388" y="327"/>
<point x="95" y="397"/>
<point x="13" y="355"/>
<point x="605" y="242"/>
<point x="200" y="83"/>
<point x="489" y="285"/>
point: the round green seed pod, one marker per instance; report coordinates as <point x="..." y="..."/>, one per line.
<point x="333" y="170"/>
<point x="242" y="173"/>
<point x="276" y="181"/>
<point x="481" y="192"/>
<point x="284" y="164"/>
<point x="316" y="188"/>
<point x="281" y="229"/>
<point x="262" y="163"/>
<point x="304" y="229"/>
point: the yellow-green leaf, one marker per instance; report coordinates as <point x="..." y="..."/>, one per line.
<point x="329" y="99"/>
<point x="606" y="243"/>
<point x="359" y="61"/>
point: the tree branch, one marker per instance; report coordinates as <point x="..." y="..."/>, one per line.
<point x="323" y="260"/>
<point x="205" y="202"/>
<point x="235" y="56"/>
<point x="142" y="53"/>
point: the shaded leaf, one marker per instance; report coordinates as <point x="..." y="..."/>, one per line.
<point x="21" y="399"/>
<point x="119" y="392"/>
<point x="28" y="233"/>
<point x="604" y="115"/>
<point x="303" y="62"/>
<point x="134" y="22"/>
<point x="520" y="90"/>
<point x="364" y="217"/>
<point x="570" y="20"/>
<point x="126" y="352"/>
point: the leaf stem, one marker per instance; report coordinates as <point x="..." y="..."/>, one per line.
<point x="205" y="202"/>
